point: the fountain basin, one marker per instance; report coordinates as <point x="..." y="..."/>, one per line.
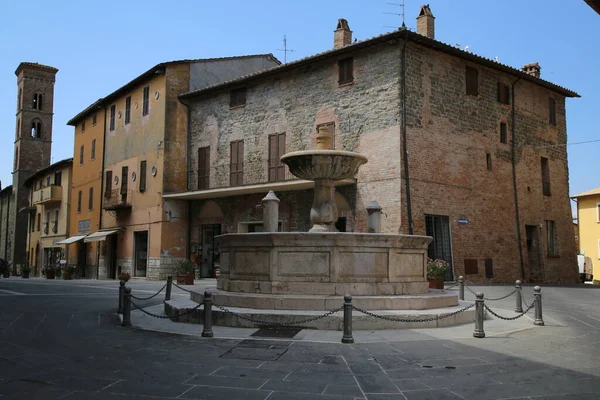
<point x="323" y="164"/>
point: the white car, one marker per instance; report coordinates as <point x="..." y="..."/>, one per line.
<point x="585" y="268"/>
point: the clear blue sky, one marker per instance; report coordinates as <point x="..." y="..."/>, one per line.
<point x="100" y="46"/>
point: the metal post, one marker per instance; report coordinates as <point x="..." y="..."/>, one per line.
<point x="169" y="286"/>
<point x="127" y="307"/>
<point x="121" y="293"/>
<point x="479" y="333"/>
<point x="537" y="293"/>
<point x="347" y="338"/>
<point x="207" y="330"/>
<point x="461" y="288"/>
<point x="519" y="305"/>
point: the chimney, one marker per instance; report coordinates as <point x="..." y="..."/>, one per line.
<point x="532" y="69"/>
<point x="342" y="36"/>
<point x="425" y="22"/>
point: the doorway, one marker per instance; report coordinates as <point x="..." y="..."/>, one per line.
<point x="438" y="227"/>
<point x="140" y="243"/>
<point x="536" y="270"/>
<point x="110" y="256"/>
<point x="81" y="257"/>
<point x="208" y="250"/>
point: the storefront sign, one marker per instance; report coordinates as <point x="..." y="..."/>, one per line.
<point x="84" y="226"/>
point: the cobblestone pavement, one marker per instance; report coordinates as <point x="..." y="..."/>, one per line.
<point x="62" y="340"/>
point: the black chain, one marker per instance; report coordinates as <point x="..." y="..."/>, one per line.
<point x="508" y="318"/>
<point x="281" y="324"/>
<point x="185" y="290"/>
<point x="165" y="316"/>
<point x="524" y="302"/>
<point x="496" y="299"/>
<point x="151" y="297"/>
<point x="434" y="318"/>
<point x="450" y="287"/>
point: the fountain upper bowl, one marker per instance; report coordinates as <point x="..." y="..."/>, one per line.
<point x="323" y="164"/>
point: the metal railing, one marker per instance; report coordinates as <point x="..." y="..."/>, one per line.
<point x="116" y="199"/>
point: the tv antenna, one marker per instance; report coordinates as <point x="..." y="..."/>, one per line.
<point x="285" y="50"/>
<point x="400" y="14"/>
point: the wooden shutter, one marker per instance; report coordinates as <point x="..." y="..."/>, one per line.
<point x="203" y="167"/>
<point x="273" y="158"/>
<point x="280" y="152"/>
<point x="91" y="199"/>
<point x="79" y="201"/>
<point x="471" y="266"/>
<point x="346" y="67"/>
<point x="143" y="176"/>
<point x="240" y="162"/>
<point x="108" y="184"/>
<point x="552" y="111"/>
<point x="472" y="81"/>
<point x="503" y="93"/>
<point x="236" y="172"/>
<point x="124" y="174"/>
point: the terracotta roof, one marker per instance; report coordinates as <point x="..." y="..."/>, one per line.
<point x="94" y="106"/>
<point x="156" y="69"/>
<point x="49" y="168"/>
<point x="588" y="193"/>
<point x="401" y="33"/>
<point x="35" y="66"/>
<point x="595" y="4"/>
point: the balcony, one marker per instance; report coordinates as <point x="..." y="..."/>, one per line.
<point x="117" y="199"/>
<point x="48" y="195"/>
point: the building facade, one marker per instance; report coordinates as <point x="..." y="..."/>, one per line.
<point x="588" y="224"/>
<point x="48" y="227"/>
<point x="460" y="148"/>
<point x="32" y="146"/>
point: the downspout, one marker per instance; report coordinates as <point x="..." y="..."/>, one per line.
<point x="513" y="151"/>
<point x="101" y="193"/>
<point x="7" y="218"/>
<point x="189" y="206"/>
<point x="403" y="133"/>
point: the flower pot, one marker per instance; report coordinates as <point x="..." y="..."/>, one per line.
<point x="186" y="279"/>
<point x="124" y="277"/>
<point x="437" y="283"/>
<point x="25" y="275"/>
<point x="67" y="276"/>
<point x="50" y="275"/>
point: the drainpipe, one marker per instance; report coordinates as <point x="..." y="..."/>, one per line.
<point x="403" y="133"/>
<point x="513" y="150"/>
<point x="6" y="236"/>
<point x="101" y="194"/>
<point x="189" y="202"/>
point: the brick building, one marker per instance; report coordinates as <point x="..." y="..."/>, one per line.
<point x="460" y="147"/>
<point x="32" y="144"/>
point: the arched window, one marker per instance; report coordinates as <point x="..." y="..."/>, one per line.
<point x="16" y="157"/>
<point x="18" y="127"/>
<point x="36" y="129"/>
<point x="37" y="101"/>
<point x="20" y="97"/>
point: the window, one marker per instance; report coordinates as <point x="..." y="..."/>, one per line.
<point x="472" y="81"/>
<point x="81" y="155"/>
<point x="503" y="93"/>
<point x="39" y="221"/>
<point x="36" y="129"/>
<point x="203" y="168"/>
<point x="94" y="120"/>
<point x="94" y="149"/>
<point x="20" y="97"/>
<point x="128" y="109"/>
<point x="47" y="223"/>
<point x="545" y="177"/>
<point x="237" y="97"/>
<point x="113" y="109"/>
<point x="236" y="165"/>
<point x="142" y="187"/>
<point x="91" y="199"/>
<point x="471" y="267"/>
<point x="18" y="130"/>
<point x="31" y="222"/>
<point x="276" y="150"/>
<point x="58" y="178"/>
<point x="124" y="176"/>
<point x="551" y="111"/>
<point x="79" y="201"/>
<point x="598" y="214"/>
<point x="488" y="160"/>
<point x="551" y="239"/>
<point x="83" y="126"/>
<point x="345" y="70"/>
<point x="503" y="132"/>
<point x="37" y="101"/>
<point x="55" y="226"/>
<point x="108" y="184"/>
<point x="48" y="181"/>
<point x="146" y="103"/>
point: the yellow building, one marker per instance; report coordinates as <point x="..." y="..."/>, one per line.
<point x="588" y="221"/>
<point x="49" y="201"/>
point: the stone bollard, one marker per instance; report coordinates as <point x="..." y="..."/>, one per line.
<point x="127" y="307"/>
<point x="479" y="315"/>
<point x="169" y="287"/>
<point x="270" y="212"/>
<point x="374" y="217"/>
<point x="121" y="294"/>
<point x="207" y="329"/>
<point x="347" y="338"/>
<point x="519" y="305"/>
<point x="537" y="294"/>
<point x="461" y="288"/>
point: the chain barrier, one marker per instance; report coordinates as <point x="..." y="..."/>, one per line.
<point x="508" y="318"/>
<point x="496" y="299"/>
<point x="525" y="303"/>
<point x="165" y="316"/>
<point x="184" y="289"/>
<point x="278" y="324"/>
<point x="392" y="319"/>
<point x="151" y="297"/>
<point x="450" y="287"/>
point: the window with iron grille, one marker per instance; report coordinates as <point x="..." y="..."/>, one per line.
<point x="236" y="165"/>
<point x="237" y="97"/>
<point x="79" y="195"/>
<point x="146" y="101"/>
<point x="276" y="150"/>
<point x="203" y="168"/>
<point x="108" y="184"/>
<point x="472" y="81"/>
<point x="346" y="70"/>
<point x="545" y="177"/>
<point x="91" y="199"/>
<point x="551" y="239"/>
<point x="438" y="227"/>
<point x="113" y="110"/>
<point x="503" y="133"/>
<point x="552" y="111"/>
<point x="142" y="187"/>
<point x="503" y="93"/>
<point x="93" y="152"/>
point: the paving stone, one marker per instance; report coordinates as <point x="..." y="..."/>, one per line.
<point x="369" y="367"/>
<point x="226" y="381"/>
<point x="288" y="366"/>
<point x="207" y="392"/>
<point x="449" y="381"/>
<point x="343" y="390"/>
<point x="409" y="384"/>
<point x="306" y="396"/>
<point x="379" y="383"/>
<point x="251" y="373"/>
<point x="590" y="396"/>
<point x="295" y="386"/>
<point x="491" y="392"/>
<point x="407" y="373"/>
<point x="89" y="384"/>
<point x="341" y="368"/>
<point x="146" y="389"/>
<point x="385" y="396"/>
<point x="249" y="353"/>
<point x="432" y="394"/>
<point x="319" y="377"/>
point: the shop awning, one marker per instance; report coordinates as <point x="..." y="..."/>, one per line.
<point x="72" y="239"/>
<point x="99" y="236"/>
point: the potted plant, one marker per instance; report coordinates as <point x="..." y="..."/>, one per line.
<point x="25" y="272"/>
<point x="48" y="272"/>
<point x="4" y="270"/>
<point x="68" y="272"/>
<point x="184" y="270"/>
<point x="124" y="276"/>
<point x="57" y="274"/>
<point x="436" y="271"/>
